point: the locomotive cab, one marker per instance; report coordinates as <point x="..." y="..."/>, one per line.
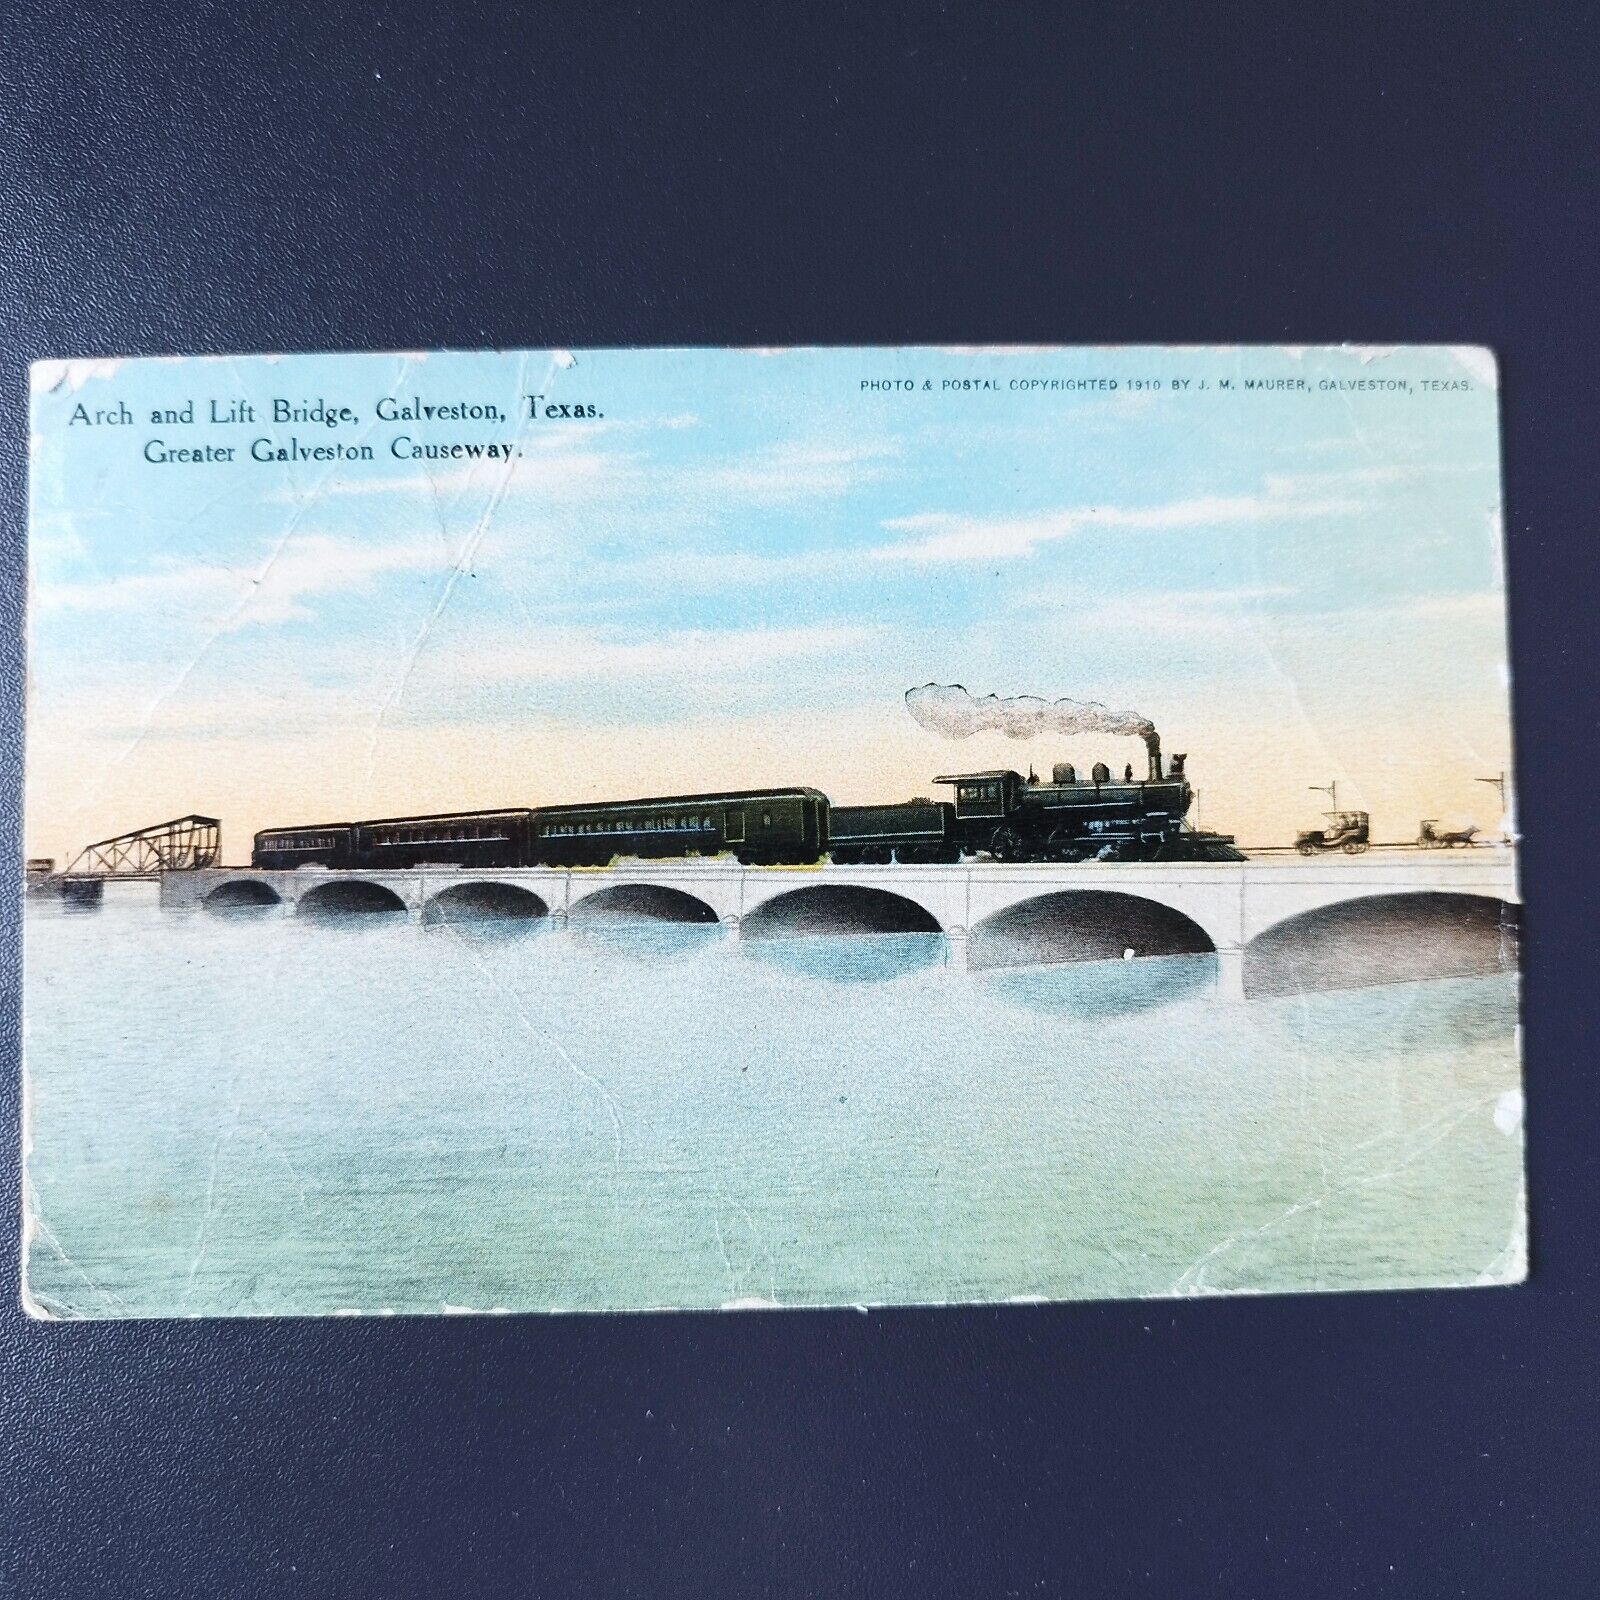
<point x="985" y="795"/>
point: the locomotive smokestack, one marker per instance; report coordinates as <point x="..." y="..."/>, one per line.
<point x="1152" y="743"/>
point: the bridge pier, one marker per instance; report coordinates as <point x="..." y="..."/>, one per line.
<point x="82" y="894"/>
<point x="1230" y="974"/>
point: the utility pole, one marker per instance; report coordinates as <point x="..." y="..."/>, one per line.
<point x="1498" y="783"/>
<point x="1329" y="789"/>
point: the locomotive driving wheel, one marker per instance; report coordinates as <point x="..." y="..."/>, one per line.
<point x="1006" y="845"/>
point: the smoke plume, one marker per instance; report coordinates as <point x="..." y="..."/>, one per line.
<point x="950" y="711"/>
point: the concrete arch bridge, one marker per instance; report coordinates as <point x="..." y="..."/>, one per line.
<point x="1275" y="925"/>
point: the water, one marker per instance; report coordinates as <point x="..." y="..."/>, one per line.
<point x="256" y="1113"/>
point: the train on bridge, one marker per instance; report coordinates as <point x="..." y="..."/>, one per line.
<point x="1001" y="815"/>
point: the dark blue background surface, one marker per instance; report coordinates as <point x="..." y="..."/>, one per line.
<point x="249" y="177"/>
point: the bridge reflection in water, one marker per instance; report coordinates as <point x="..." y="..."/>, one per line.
<point x="1105" y="988"/>
<point x="1255" y="927"/>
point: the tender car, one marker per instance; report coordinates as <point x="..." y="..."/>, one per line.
<point x="918" y="831"/>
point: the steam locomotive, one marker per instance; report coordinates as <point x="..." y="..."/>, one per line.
<point x="1012" y="818"/>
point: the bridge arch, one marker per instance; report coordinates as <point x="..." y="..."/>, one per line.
<point x="641" y="902"/>
<point x="1384" y="938"/>
<point x="242" y="894"/>
<point x="347" y="895"/>
<point x="837" y="908"/>
<point x="484" y="902"/>
<point x="1084" y="925"/>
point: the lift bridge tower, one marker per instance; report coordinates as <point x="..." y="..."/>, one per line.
<point x="181" y="845"/>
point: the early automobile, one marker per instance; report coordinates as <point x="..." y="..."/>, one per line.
<point x="1346" y="830"/>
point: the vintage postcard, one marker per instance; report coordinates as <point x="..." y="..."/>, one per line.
<point x="622" y="829"/>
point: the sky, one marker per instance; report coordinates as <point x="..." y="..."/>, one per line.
<point x="724" y="569"/>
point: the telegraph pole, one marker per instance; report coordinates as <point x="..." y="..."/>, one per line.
<point x="1498" y="783"/>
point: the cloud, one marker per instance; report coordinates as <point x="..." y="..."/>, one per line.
<point x="337" y="691"/>
<point x="786" y="472"/>
<point x="1163" y="605"/>
<point x="274" y="590"/>
<point x="137" y="709"/>
<point x="1228" y="616"/>
<point x="951" y="537"/>
<point x="706" y="571"/>
<point x="564" y="653"/>
<point x="1479" y="606"/>
<point x="1189" y="618"/>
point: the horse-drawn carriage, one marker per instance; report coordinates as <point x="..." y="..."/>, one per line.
<point x="1433" y="837"/>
